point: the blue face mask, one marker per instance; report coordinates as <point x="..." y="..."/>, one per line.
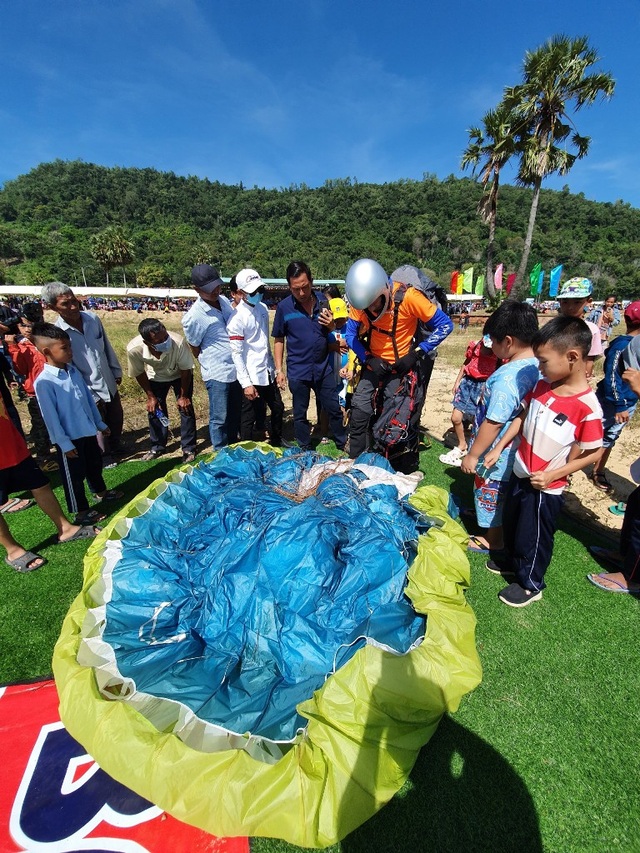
<point x="164" y="346"/>
<point x="254" y="298"/>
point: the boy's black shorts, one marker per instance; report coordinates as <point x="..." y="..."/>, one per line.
<point x="25" y="476"/>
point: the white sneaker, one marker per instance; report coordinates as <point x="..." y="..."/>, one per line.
<point x="453" y="457"/>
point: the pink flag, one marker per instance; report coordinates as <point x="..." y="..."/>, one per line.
<point x="497" y="278"/>
<point x="510" y="282"/>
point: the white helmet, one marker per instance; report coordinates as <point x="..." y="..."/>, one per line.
<point x="366" y="281"/>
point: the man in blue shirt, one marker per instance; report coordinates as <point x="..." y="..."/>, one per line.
<point x="205" y="328"/>
<point x="304" y="319"/>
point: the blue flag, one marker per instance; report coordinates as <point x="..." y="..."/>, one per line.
<point x="554" y="280"/>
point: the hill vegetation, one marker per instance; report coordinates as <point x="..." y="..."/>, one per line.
<point x="51" y="217"/>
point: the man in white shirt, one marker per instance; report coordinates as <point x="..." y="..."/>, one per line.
<point x="248" y="331"/>
<point x="205" y="328"/>
<point x="160" y="360"/>
<point x="94" y="357"/>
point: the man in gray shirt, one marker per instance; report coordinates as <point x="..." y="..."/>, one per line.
<point x="94" y="357"/>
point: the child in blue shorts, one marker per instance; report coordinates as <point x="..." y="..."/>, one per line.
<point x="511" y="328"/>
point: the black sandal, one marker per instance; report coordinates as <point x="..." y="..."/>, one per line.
<point x="601" y="483"/>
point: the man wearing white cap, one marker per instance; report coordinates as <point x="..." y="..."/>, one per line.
<point x="205" y="328"/>
<point x="248" y="331"/>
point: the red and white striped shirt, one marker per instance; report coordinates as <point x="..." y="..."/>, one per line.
<point x="552" y="426"/>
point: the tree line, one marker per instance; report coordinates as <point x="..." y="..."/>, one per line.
<point x="77" y="221"/>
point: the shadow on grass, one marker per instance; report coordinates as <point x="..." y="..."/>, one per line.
<point x="464" y="796"/>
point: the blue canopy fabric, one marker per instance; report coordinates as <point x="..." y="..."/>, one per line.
<point x="226" y="606"/>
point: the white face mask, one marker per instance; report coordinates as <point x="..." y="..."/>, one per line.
<point x="164" y="346"/>
<point x="254" y="298"/>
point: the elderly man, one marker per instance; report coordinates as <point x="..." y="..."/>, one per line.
<point x="304" y="319"/>
<point x="159" y="361"/>
<point x="205" y="328"/>
<point x="249" y="336"/>
<point x="94" y="357"/>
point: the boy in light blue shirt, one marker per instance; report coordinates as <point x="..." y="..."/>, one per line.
<point x="72" y="420"/>
<point x="511" y="328"/>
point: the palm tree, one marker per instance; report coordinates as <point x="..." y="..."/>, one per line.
<point x="490" y="149"/>
<point x="556" y="79"/>
<point x="110" y="248"/>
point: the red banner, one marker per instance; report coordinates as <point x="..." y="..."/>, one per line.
<point x="55" y="799"/>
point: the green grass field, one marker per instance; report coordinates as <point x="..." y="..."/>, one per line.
<point x="542" y="756"/>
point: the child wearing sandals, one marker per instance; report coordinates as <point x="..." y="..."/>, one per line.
<point x="616" y="397"/>
<point x="72" y="420"/>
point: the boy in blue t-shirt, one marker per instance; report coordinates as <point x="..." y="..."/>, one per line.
<point x="511" y="329"/>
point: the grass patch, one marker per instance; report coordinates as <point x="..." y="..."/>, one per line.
<point x="542" y="756"/>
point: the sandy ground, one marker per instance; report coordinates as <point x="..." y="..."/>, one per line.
<point x="582" y="499"/>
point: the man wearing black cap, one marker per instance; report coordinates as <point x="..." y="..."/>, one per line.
<point x="205" y="328"/>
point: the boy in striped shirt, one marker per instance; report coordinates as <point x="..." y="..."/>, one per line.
<point x="561" y="432"/>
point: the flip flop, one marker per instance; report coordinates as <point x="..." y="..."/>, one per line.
<point x="618" y="509"/>
<point x="87" y="531"/>
<point x="479" y="549"/>
<point x="596" y="580"/>
<point x="90" y="517"/>
<point x="12" y="505"/>
<point x="23" y="564"/>
<point x="110" y="495"/>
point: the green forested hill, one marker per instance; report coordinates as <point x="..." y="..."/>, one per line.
<point x="48" y="216"/>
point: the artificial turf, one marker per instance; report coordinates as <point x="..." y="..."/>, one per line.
<point x="543" y="755"/>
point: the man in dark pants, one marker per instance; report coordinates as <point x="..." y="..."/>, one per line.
<point x="248" y="330"/>
<point x="304" y="319"/>
<point x="381" y="330"/>
<point x="159" y="361"/>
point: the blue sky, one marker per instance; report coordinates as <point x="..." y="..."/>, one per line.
<point x="297" y="91"/>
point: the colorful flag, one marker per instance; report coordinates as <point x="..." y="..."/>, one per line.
<point x="460" y="281"/>
<point x="540" y="282"/>
<point x="467" y="283"/>
<point x="479" y="285"/>
<point x="497" y="278"/>
<point x="454" y="281"/>
<point x="534" y="277"/>
<point x="511" y="280"/>
<point x="554" y="280"/>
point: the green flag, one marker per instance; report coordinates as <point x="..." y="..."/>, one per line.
<point x="480" y="285"/>
<point x="467" y="280"/>
<point x="534" y="278"/>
